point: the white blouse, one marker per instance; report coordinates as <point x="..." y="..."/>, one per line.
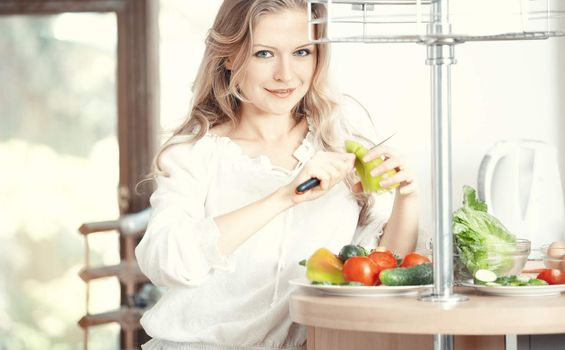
<point x="238" y="301"/>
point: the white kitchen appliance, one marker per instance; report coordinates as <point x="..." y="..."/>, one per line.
<point x="519" y="181"/>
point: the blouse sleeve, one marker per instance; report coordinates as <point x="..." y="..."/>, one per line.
<point x="369" y="235"/>
<point x="180" y="245"/>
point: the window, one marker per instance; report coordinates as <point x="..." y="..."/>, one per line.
<point x="76" y="131"/>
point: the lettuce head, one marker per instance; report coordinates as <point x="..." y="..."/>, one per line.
<point x="481" y="240"/>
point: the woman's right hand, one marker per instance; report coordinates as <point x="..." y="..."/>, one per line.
<point x="328" y="167"/>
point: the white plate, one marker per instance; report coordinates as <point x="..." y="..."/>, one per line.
<point x="518" y="291"/>
<point x="360" y="291"/>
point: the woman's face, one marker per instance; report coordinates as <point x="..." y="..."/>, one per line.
<point x="281" y="66"/>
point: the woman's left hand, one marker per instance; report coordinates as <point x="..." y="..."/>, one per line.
<point x="392" y="161"/>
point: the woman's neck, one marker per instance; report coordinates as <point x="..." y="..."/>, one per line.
<point x="265" y="128"/>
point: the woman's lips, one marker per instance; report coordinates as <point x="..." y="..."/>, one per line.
<point x="281" y="92"/>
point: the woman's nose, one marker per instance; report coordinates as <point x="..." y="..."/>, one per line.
<point x="283" y="70"/>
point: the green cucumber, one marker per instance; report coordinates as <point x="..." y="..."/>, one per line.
<point x="408" y="276"/>
<point x="536" y="282"/>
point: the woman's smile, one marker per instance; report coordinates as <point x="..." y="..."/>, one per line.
<point x="282" y="93"/>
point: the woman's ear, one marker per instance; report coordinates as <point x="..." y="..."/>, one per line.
<point x="228" y="64"/>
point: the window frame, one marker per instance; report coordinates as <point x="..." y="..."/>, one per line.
<point x="136" y="79"/>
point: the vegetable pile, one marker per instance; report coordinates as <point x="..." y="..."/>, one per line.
<point x="354" y="266"/>
<point x="489" y="279"/>
<point x="481" y="240"/>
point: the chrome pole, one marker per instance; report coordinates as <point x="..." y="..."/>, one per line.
<point x="440" y="57"/>
<point x="442" y="341"/>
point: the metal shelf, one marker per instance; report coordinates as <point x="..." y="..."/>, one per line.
<point x="398" y="21"/>
<point x="442" y="39"/>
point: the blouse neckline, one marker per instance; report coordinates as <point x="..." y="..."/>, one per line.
<point x="302" y="153"/>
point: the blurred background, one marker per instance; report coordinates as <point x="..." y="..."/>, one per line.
<point x="62" y="159"/>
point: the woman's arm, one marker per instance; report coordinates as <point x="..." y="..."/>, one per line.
<point x="400" y="234"/>
<point x="237" y="226"/>
<point x="182" y="245"/>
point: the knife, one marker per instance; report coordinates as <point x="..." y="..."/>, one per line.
<point x="313" y="182"/>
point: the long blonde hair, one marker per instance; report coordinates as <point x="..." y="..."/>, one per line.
<point x="216" y="99"/>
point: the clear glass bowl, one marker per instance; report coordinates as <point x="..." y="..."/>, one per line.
<point x="554" y="257"/>
<point x="504" y="259"/>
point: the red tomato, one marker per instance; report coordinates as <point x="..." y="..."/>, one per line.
<point x="382" y="249"/>
<point x="413" y="259"/>
<point x="360" y="269"/>
<point x="552" y="276"/>
<point x="383" y="260"/>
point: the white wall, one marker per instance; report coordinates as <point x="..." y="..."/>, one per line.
<point x="560" y="86"/>
<point x="500" y="90"/>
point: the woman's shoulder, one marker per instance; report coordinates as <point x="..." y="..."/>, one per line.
<point x="194" y="147"/>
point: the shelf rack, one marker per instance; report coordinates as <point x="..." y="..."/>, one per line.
<point x="130" y="228"/>
<point x="440" y="25"/>
<point x="412" y="21"/>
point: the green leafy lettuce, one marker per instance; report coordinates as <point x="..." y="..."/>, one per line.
<point x="481" y="240"/>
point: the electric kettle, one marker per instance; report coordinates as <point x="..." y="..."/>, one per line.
<point x="521" y="185"/>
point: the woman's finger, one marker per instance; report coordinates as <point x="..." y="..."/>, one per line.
<point x="335" y="172"/>
<point x="389" y="164"/>
<point x="378" y="152"/>
<point x="349" y="160"/>
<point x="347" y="166"/>
<point x="325" y="179"/>
<point x="402" y="177"/>
<point x="408" y="189"/>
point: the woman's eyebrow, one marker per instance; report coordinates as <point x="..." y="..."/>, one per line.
<point x="304" y="45"/>
<point x="274" y="48"/>
<point x="267" y="46"/>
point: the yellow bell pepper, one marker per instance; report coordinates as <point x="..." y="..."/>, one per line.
<point x="369" y="183"/>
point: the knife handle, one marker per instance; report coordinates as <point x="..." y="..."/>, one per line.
<point x="306" y="185"/>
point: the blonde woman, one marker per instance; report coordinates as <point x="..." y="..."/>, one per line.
<point x="227" y="227"/>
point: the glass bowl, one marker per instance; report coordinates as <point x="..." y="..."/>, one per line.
<point x="553" y="255"/>
<point x="504" y="259"/>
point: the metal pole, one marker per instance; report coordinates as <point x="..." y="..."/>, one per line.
<point x="440" y="58"/>
<point x="442" y="341"/>
<point x="441" y="55"/>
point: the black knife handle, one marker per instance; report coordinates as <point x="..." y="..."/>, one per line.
<point x="306" y="185"/>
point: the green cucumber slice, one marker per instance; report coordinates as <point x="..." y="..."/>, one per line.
<point x="485" y="276"/>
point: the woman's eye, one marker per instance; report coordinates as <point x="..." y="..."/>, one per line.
<point x="263" y="54"/>
<point x="302" y="52"/>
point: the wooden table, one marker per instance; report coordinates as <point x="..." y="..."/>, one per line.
<point x="403" y="322"/>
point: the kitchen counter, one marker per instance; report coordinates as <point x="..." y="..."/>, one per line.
<point x="403" y="322"/>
